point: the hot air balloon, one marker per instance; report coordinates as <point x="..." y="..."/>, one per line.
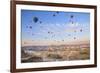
<point x="48" y="32"/>
<point x="54" y="15"/>
<point x="40" y="22"/>
<point x="51" y="32"/>
<point x="74" y="30"/>
<point x="26" y="26"/>
<point x="32" y="34"/>
<point x="72" y="22"/>
<point x="81" y="30"/>
<point x="35" y="19"/>
<point x="69" y="35"/>
<point x="74" y="37"/>
<point x="71" y="16"/>
<point x="71" y="19"/>
<point x="57" y="12"/>
<point x="30" y="27"/>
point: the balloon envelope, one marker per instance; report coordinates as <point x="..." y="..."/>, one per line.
<point x="35" y="19"/>
<point x="71" y="16"/>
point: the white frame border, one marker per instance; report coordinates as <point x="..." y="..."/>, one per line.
<point x="51" y="64"/>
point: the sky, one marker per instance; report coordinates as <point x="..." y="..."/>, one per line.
<point x="54" y="27"/>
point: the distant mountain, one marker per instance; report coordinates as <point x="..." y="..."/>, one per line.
<point x="35" y="48"/>
<point x="53" y="47"/>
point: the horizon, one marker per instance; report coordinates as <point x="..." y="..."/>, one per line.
<point x="54" y="44"/>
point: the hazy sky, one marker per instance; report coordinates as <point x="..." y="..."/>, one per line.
<point x="50" y="27"/>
